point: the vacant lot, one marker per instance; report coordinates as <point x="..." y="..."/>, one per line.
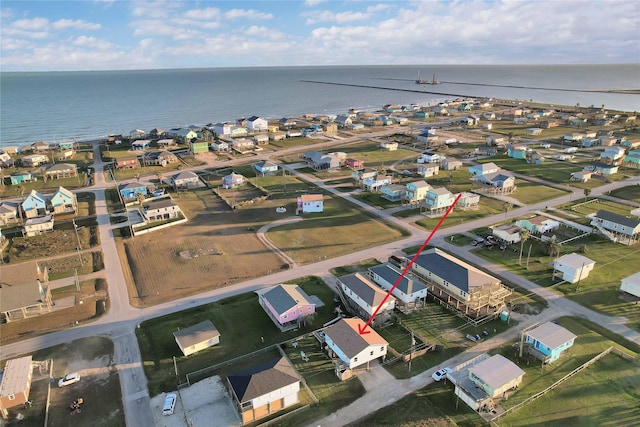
<point x="631" y="192"/>
<point x="530" y="192"/>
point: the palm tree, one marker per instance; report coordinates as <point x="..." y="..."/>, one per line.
<point x="159" y="175"/>
<point x="587" y="191"/>
<point x="140" y="197"/>
<point x="506" y="207"/>
<point x="553" y="247"/>
<point x="524" y="236"/>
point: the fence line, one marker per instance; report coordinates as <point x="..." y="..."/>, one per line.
<point x="554" y="385"/>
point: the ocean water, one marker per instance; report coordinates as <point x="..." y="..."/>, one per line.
<point x="60" y="106"/>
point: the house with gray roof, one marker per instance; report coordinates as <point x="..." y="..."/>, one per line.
<point x="185" y="180"/>
<point x="324" y="161"/>
<point x="15" y="384"/>
<point x="461" y="285"/>
<point x="410" y="293"/>
<point x="264" y="389"/>
<point x="350" y="349"/>
<point x="24" y="300"/>
<point x="61" y="170"/>
<point x="286" y="305"/>
<point x="548" y="341"/>
<point x="160" y="210"/>
<point x="197" y="337"/>
<point x="616" y="227"/>
<point x="503" y="181"/>
<point x="365" y="297"/>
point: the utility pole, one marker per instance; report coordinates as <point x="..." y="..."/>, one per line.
<point x="75" y="227"/>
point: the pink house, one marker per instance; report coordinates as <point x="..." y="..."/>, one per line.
<point x="354" y="163"/>
<point x="286" y="305"/>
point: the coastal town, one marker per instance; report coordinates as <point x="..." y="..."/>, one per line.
<point x="458" y="263"/>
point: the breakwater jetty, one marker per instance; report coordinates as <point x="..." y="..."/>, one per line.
<point x="459" y="95"/>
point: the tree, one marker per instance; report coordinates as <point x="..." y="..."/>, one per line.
<point x="553" y="247"/>
<point x="43" y="173"/>
<point x="140" y="198"/>
<point x="587" y="191"/>
<point x="506" y="207"/>
<point x="524" y="236"/>
<point x="159" y="175"/>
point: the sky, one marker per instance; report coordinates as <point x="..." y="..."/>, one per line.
<point x="124" y="35"/>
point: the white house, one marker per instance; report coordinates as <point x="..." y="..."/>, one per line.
<point x="631" y="284"/>
<point x="484" y="169"/>
<point x="185" y="179"/>
<point x="264" y="389"/>
<point x="432" y="157"/>
<point x="257" y="124"/>
<point x="574" y="267"/>
<point x="197" y="337"/>
<point x="410" y="292"/>
<point x="344" y="342"/>
<point x="366" y="297"/>
<point x="160" y="210"/>
<point x="310" y="203"/>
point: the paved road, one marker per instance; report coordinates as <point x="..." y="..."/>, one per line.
<point x="120" y="322"/>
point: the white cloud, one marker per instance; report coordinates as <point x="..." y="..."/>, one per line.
<point x="92" y="42"/>
<point x="247" y="14"/>
<point x="33" y="24"/>
<point x="207" y="13"/>
<point x="63" y="24"/>
<point x="155" y="9"/>
<point x="313" y="2"/>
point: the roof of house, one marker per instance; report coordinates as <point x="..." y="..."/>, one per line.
<point x="575" y="260"/>
<point x="485" y="166"/>
<point x="18" y="296"/>
<point x="159" y="204"/>
<point x="311" y="197"/>
<point x="63" y="191"/>
<point x="346" y="336"/>
<point x="537" y="220"/>
<point x="36" y="196"/>
<point x="496" y="371"/>
<point x="7" y="206"/>
<point x="16" y="376"/>
<point x="634" y="278"/>
<point x="551" y="335"/>
<point x="420" y="184"/>
<point x="196" y="334"/>
<point x="267" y="164"/>
<point x="184" y="175"/>
<point x="39" y="220"/>
<point x="364" y="288"/>
<point x="457" y="272"/>
<point x="391" y="275"/>
<point x="618" y="219"/>
<point x="285" y="297"/>
<point x="61" y="167"/>
<point x="440" y="191"/>
<point x="132" y="185"/>
<point x="263" y="379"/>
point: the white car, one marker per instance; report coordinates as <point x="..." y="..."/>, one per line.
<point x="69" y="379"/>
<point x="442" y="373"/>
<point x="169" y="404"/>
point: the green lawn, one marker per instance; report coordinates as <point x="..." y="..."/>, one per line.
<point x="530" y="192"/>
<point x="242" y="324"/>
<point x="610" y="386"/>
<point x="487" y="207"/>
<point x="631" y="192"/>
<point x="551" y="170"/>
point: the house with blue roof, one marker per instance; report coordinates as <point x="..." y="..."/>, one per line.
<point x="131" y="190"/>
<point x="34" y="205"/>
<point x="266" y="167"/>
<point x="365" y="297"/>
<point x="461" y="285"/>
<point x="547" y="342"/>
<point x="632" y="159"/>
<point x="410" y="293"/>
<point x="286" y="305"/>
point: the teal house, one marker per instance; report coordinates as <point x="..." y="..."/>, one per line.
<point x="549" y="341"/>
<point x="20" y="177"/>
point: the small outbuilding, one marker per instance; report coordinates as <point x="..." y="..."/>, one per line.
<point x="197" y="337"/>
<point x="631" y="285"/>
<point x="574" y="267"/>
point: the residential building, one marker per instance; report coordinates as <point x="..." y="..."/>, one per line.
<point x="185" y="180"/>
<point x="461" y="285"/>
<point x="308" y="203"/>
<point x="233" y="180"/>
<point x="451" y="164"/>
<point x="61" y="170"/>
<point x="361" y="174"/>
<point x="19" y="177"/>
<point x="483" y="169"/>
<point x="468" y="200"/>
<point x="600" y="168"/>
<point x="257" y="124"/>
<point x="198" y="147"/>
<point x="617" y="227"/>
<point x="612" y="154"/>
<point x="377" y="182"/>
<point x="389" y="145"/>
<point x="261" y="138"/>
<point x="427" y="157"/>
<point x="266" y="167"/>
<point x="286" y="305"/>
<point x="350" y="349"/>
<point x="392" y="192"/>
<point x="573" y="267"/>
<point x="517" y="151"/>
<point x="322" y="161"/>
<point x="140" y="144"/>
<point x="507" y="233"/>
<point x="538" y="224"/>
<point x="354" y="164"/>
<point x="15" y="384"/>
<point x="34" y="160"/>
<point x="416" y="191"/>
<point x="427" y="170"/>
<point x="34" y="205"/>
<point x="502" y="181"/>
<point x="438" y="199"/>
<point x="631" y="285"/>
<point x="129" y="162"/>
<point x="160" y="210"/>
<point x="197" y="337"/>
<point x="243" y="145"/>
<point x="63" y="201"/>
<point x="220" y="145"/>
<point x="410" y="293"/>
<point x="35" y="226"/>
<point x="8" y="212"/>
<point x="365" y="298"/>
<point x="137" y="133"/>
<point x="159" y="158"/>
<point x="131" y="190"/>
<point x="548" y="341"/>
<point x="264" y="389"/>
<point x="166" y="143"/>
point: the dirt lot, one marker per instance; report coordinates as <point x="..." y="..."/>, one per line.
<point x="204" y="404"/>
<point x="216" y="247"/>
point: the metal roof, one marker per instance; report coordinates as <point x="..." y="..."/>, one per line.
<point x="363" y="288"/>
<point x="196" y="334"/>
<point x="551" y="335"/>
<point x="496" y="371"/>
<point x="618" y="219"/>
<point x="390" y="274"/>
<point x="16" y="376"/>
<point x="285" y="297"/>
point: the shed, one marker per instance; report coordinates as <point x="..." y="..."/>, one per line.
<point x="197" y="337"/>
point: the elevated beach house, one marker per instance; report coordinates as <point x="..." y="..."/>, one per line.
<point x="547" y="342"/>
<point x="286" y="305"/>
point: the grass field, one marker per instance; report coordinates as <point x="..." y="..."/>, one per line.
<point x="552" y="170"/>
<point x="631" y="192"/>
<point x="242" y="324"/>
<point x="339" y="230"/>
<point x="487" y="207"/>
<point x="530" y="192"/>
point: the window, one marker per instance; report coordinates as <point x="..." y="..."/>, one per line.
<point x="284" y="316"/>
<point x="11" y="396"/>
<point x="355" y="359"/>
<point x="371" y="354"/>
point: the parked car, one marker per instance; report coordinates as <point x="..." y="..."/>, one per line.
<point x="69" y="379"/>
<point x="441" y="373"/>
<point x="477" y="241"/>
<point x="169" y="404"/>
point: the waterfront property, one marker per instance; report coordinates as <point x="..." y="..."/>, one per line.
<point x="286" y="305"/>
<point x="547" y="342"/>
<point x="61" y="170"/>
<point x="197" y="337"/>
<point x="264" y="389"/>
